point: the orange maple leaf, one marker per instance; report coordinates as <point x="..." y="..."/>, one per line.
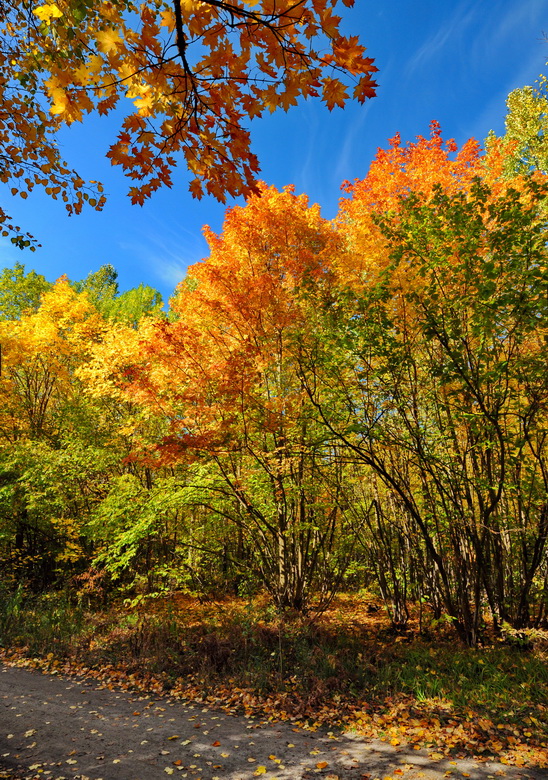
<point x="334" y="93"/>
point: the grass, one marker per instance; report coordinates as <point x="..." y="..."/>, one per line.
<point x="344" y="668"/>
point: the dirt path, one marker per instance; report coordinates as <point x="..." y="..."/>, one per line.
<point x="54" y="728"/>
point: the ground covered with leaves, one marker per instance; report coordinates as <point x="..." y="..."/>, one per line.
<point x="344" y="669"/>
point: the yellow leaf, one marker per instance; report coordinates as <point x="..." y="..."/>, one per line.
<point x="60" y="100"/>
<point x="107" y="40"/>
<point x="144" y="103"/>
<point x="261" y="770"/>
<point x="168" y="20"/>
<point x="47" y="12"/>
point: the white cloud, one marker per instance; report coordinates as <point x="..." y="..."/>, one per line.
<point x="166" y="251"/>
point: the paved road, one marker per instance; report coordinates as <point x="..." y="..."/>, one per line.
<point x="53" y="728"/>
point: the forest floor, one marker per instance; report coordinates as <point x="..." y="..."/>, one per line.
<point x="341" y="696"/>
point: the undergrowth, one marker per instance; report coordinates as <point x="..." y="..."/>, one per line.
<point x="345" y="667"/>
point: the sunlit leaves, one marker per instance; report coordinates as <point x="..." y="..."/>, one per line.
<point x="194" y="73"/>
<point x="48" y="12"/>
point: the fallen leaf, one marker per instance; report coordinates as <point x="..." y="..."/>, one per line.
<point x="216" y="743"/>
<point x="321" y="764"/>
<point x="261" y="770"/>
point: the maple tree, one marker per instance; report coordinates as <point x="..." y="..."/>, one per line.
<point x="222" y="376"/>
<point x="40" y="352"/>
<point x="193" y="73"/>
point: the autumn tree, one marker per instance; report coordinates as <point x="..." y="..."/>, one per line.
<point x="52" y="458"/>
<point x="435" y="354"/>
<point x="526" y="126"/>
<point x="193" y="73"/>
<point x="222" y="375"/>
<point x="20" y="291"/>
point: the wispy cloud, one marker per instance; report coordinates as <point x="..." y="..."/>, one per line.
<point x="435" y="45"/>
<point x="346" y="164"/>
<point x="497" y="40"/>
<point x="166" y="251"/>
<point x="492" y="115"/>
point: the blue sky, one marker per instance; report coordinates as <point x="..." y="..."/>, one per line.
<point x="450" y="60"/>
